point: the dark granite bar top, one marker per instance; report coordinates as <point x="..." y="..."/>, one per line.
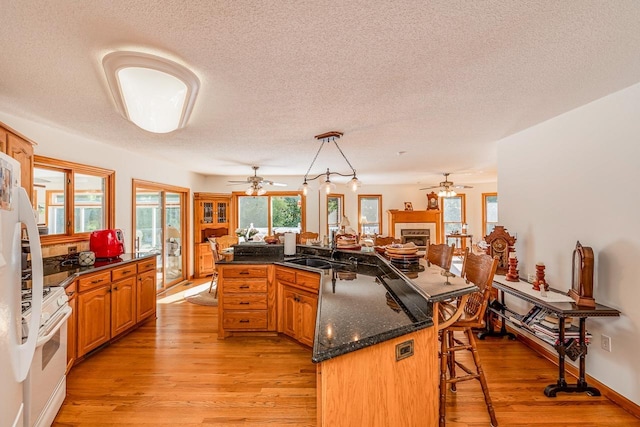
<point x="364" y="299"/>
<point x="58" y="274"/>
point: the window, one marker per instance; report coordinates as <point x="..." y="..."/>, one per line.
<point x="453" y="214"/>
<point x="370" y="214"/>
<point x="489" y="212"/>
<point x="275" y="212"/>
<point x="335" y="210"/>
<point x="71" y="219"/>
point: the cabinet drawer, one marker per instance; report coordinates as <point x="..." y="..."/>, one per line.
<point x="245" y="271"/>
<point x="149" y="264"/>
<point x="122" y="272"/>
<point x="245" y="302"/>
<point x="245" y="319"/>
<point x="285" y="275"/>
<point x="244" y="285"/>
<point x="89" y="282"/>
<point x="308" y="280"/>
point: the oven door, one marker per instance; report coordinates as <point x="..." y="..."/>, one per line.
<point x="45" y="386"/>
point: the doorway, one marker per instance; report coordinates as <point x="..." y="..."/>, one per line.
<point x="160" y="223"/>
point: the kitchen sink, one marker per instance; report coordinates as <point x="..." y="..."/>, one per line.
<point x="312" y="262"/>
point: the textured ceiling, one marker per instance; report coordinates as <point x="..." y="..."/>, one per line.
<point x="441" y="81"/>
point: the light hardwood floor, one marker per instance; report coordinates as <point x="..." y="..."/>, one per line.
<point x="173" y="371"/>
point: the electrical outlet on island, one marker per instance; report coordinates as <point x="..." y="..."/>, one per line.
<point x="72" y="250"/>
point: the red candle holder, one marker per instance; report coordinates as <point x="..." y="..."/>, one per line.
<point x="540" y="280"/>
<point x="512" y="273"/>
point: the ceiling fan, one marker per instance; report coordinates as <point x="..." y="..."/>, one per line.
<point x="256" y="183"/>
<point x="446" y="187"/>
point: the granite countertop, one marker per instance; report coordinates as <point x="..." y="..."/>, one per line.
<point x="56" y="274"/>
<point x="364" y="299"/>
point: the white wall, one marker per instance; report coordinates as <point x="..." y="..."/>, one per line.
<point x="573" y="178"/>
<point x="62" y="145"/>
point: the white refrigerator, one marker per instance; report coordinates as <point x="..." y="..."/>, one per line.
<point x="16" y="354"/>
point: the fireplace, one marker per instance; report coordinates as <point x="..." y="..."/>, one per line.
<point x="418" y="236"/>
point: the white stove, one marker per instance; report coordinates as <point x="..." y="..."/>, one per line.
<point x="45" y="386"/>
<point x="54" y="302"/>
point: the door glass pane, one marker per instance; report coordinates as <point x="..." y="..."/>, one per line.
<point x="49" y="188"/>
<point x="173" y="253"/>
<point x="89" y="203"/>
<point x="149" y="227"/>
<point x="491" y="212"/>
<point x="286" y="213"/>
<point x="221" y="211"/>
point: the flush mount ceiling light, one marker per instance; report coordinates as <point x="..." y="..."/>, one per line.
<point x="156" y="94"/>
<point x="327" y="185"/>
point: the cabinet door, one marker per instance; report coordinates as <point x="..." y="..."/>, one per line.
<point x="22" y="151"/>
<point x="289" y="312"/>
<point x="307" y="309"/>
<point x="221" y="212"/>
<point x="94" y="318"/>
<point x="206" y="212"/>
<point x="123" y="305"/>
<point x="146" y="295"/>
<point x="204" y="257"/>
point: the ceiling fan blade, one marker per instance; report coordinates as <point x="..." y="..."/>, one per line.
<point x="239" y="182"/>
<point x="462" y="186"/>
<point x="278" y="184"/>
<point x="430" y="188"/>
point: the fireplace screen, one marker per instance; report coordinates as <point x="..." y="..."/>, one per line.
<point x="419" y="237"/>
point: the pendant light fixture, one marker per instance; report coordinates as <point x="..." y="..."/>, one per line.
<point x="327" y="186"/>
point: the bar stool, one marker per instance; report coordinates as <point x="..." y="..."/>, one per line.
<point x="479" y="270"/>
<point x="440" y="255"/>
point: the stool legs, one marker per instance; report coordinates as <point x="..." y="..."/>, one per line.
<point x="481" y="377"/>
<point x="448" y="347"/>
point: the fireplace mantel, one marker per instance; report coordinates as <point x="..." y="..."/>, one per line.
<point x="432" y="216"/>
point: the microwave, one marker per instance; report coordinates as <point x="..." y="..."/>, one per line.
<point x="107" y="243"/>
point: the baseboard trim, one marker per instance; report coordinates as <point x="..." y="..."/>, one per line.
<point x="552" y="356"/>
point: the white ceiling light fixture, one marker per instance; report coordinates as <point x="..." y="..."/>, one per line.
<point x="327" y="186"/>
<point x="154" y="93"/>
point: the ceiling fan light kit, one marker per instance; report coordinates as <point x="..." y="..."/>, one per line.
<point x="446" y="187"/>
<point x="256" y="182"/>
<point x="327" y="186"/>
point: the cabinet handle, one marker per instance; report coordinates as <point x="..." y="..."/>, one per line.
<point x="245" y="302"/>
<point x="97" y="281"/>
<point x="115" y="288"/>
<point x="126" y="272"/>
<point x="71" y="293"/>
<point x="244" y="321"/>
<point x="244" y="287"/>
<point x="244" y="272"/>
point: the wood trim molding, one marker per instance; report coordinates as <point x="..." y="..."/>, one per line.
<point x="430" y="216"/>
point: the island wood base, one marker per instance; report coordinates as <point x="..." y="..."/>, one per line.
<point x="369" y="387"/>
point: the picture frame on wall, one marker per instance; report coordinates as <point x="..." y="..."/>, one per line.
<point x="408" y="206"/>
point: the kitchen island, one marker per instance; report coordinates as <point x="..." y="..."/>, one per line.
<point x="375" y="344"/>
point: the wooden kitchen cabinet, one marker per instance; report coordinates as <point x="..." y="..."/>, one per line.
<point x="94" y="318"/>
<point x="123" y="305"/>
<point x="21" y="149"/>
<point x="146" y="291"/>
<point x="246" y="299"/>
<point x="112" y="302"/>
<point x="212" y="218"/>
<point x="298" y="292"/>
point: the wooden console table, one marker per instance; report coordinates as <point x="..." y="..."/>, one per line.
<point x="562" y="306"/>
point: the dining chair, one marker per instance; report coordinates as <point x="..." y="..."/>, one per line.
<point x="307" y="235"/>
<point x="225" y="242"/>
<point x="479" y="270"/>
<point x="216" y="257"/>
<point x="384" y="240"/>
<point x="440" y="255"/>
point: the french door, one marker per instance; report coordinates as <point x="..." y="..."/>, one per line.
<point x="160" y="223"/>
